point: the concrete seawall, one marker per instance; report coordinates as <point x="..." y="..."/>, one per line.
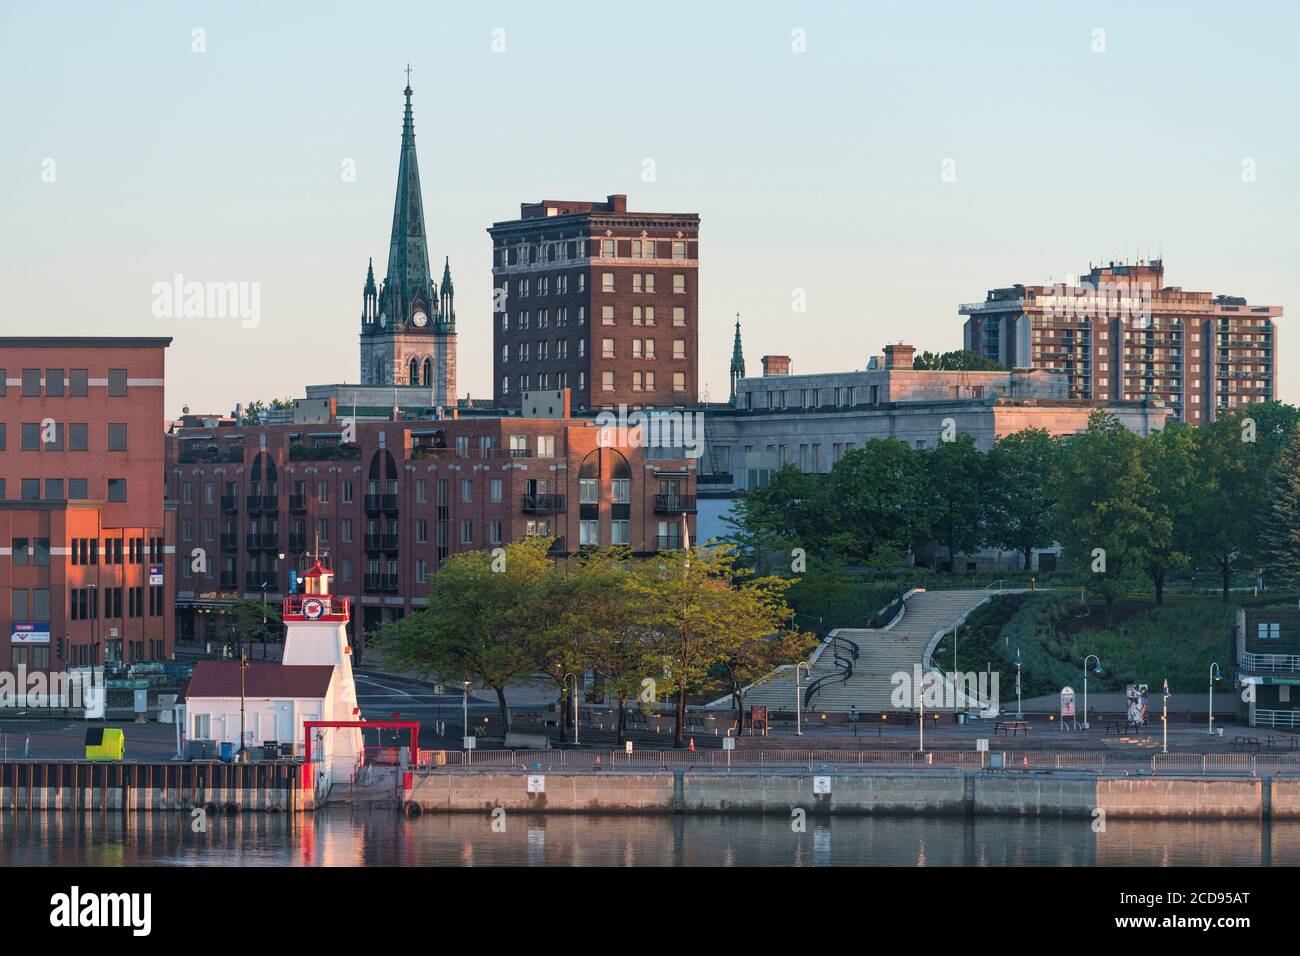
<point x="927" y="793"/>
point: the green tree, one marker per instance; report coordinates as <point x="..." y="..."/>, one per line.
<point x="880" y="499"/>
<point x="793" y="508"/>
<point x="963" y="360"/>
<point x="1239" y="451"/>
<point x="606" y="615"/>
<point x="491" y="620"/>
<point x="700" y="615"/>
<point x="955" y="474"/>
<point x="1179" y="494"/>
<point x="1020" y="499"/>
<point x="1281" y="533"/>
<point x="1103" y="493"/>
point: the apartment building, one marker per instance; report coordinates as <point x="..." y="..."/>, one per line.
<point x="84" y="532"/>
<point x="400" y="497"/>
<point x="1121" y="334"/>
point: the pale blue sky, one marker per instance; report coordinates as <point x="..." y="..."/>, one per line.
<point x="817" y="170"/>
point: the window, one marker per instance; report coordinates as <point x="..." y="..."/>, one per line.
<point x="20" y="551"/>
<point x="323" y="492"/>
<point x="31" y="489"/>
<point x="345" y="491"/>
<point x="54" y="489"/>
<point x="607" y="248"/>
<point x="345" y="530"/>
<point x="494" y="531"/>
<point x="495" y="493"/>
<point x="467" y="490"/>
<point x="619" y="531"/>
<point x="679" y="284"/>
<point x="31" y="383"/>
<point x="649" y="381"/>
<point x="117" y="438"/>
<point x="421" y="531"/>
<point x="606" y="315"/>
<point x="466" y="532"/>
<point x="588" y="491"/>
<point x="607" y="381"/>
<point x="589" y="532"/>
<point x="117" y="489"/>
<point x="606" y="351"/>
<point x="421" y="570"/>
<point x="607" y="282"/>
<point x="679" y="315"/>
<point x="421" y="491"/>
<point x="117" y="383"/>
<point x="1264" y="631"/>
<point x="679" y="250"/>
<point x="31" y="432"/>
<point x="54" y="382"/>
<point x="679" y="381"/>
<point x="77" y="490"/>
<point x="546" y="446"/>
<point x="78" y="382"/>
<point x="679" y="348"/>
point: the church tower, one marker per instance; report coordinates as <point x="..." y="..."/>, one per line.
<point x="408" y="324"/>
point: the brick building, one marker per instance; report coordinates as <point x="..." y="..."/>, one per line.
<point x="402" y="497"/>
<point x="596" y="299"/>
<point x="1121" y="334"/>
<point x="83" y="526"/>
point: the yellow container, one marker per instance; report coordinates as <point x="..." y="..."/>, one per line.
<point x="105" y="743"/>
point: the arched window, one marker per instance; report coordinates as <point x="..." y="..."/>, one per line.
<point x="428" y="371"/>
<point x="414" y="378"/>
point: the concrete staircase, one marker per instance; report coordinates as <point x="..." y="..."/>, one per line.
<point x="881" y="654"/>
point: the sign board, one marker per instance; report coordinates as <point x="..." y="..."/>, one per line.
<point x="293" y="580"/>
<point x="728" y="743"/>
<point x="437" y="689"/>
<point x="30" y="632"/>
<point x="155" y="574"/>
<point x="1067" y="701"/>
<point x="821" y="785"/>
<point x="469" y="743"/>
<point x="627" y="745"/>
<point x="536" y="783"/>
<point x="141" y="701"/>
<point x="981" y="745"/>
<point x="997" y="761"/>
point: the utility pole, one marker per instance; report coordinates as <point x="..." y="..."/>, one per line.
<point x="241" y="756"/>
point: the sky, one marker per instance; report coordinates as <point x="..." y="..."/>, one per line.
<point x="880" y="163"/>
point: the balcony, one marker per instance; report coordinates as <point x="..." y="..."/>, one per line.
<point x="270" y="504"/>
<point x="380" y="583"/>
<point x="373" y="504"/>
<point x="298" y="504"/>
<point x="388" y="504"/>
<point x="253" y="541"/>
<point x="297" y="543"/>
<point x="230" y="542"/>
<point x="543" y="504"/>
<point x="253" y="503"/>
<point x="674" y="504"/>
<point x="381" y="542"/>
<point x="228" y="580"/>
<point x="669" y="542"/>
<point x="558" y="546"/>
<point x="269" y="542"/>
<point x="521" y="453"/>
<point x="230" y="504"/>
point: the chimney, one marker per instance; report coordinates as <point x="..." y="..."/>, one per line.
<point x="899" y="356"/>
<point x="617" y="202"/>
<point x="776" y="365"/>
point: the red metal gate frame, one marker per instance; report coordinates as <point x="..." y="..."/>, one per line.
<point x="412" y="725"/>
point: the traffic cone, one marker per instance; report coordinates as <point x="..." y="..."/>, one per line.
<point x="597" y="761"/>
<point x="1026" y="761"/>
<point x="692" y="747"/>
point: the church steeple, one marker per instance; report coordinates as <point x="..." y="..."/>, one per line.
<point x="408" y="286"/>
<point x="369" y="297"/>
<point x="737" y="362"/>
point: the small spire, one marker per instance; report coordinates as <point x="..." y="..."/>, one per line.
<point x="446" y="275"/>
<point x="408" y="89"/>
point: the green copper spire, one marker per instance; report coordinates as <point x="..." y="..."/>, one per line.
<point x="447" y="305"/>
<point x="737" y="361"/>
<point x="407" y="288"/>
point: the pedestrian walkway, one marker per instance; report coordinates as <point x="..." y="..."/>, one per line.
<point x="882" y="653"/>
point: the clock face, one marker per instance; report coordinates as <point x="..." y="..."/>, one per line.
<point x="383" y="319"/>
<point x="419" y="319"/>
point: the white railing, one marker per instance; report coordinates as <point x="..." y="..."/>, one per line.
<point x="1269" y="662"/>
<point x="1290" y="719"/>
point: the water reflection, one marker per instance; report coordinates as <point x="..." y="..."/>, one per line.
<point x="340" y="838"/>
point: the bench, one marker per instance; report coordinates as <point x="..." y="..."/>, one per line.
<point x="1011" y="727"/>
<point x="1245" y="742"/>
<point x="1114" y="726"/>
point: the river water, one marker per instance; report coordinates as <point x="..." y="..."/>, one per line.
<point x="338" y="837"/>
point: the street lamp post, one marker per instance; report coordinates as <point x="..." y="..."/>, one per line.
<point x="1018" y="662"/>
<point x="1164" y="717"/>
<point x="798" y="698"/>
<point x="465" y="718"/>
<point x="1096" y="670"/>
<point x="1215" y="674"/>
<point x="242" y="755"/>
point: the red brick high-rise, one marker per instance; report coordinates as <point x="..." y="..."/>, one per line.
<point x="596" y="299"/>
<point x="84" y="530"/>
